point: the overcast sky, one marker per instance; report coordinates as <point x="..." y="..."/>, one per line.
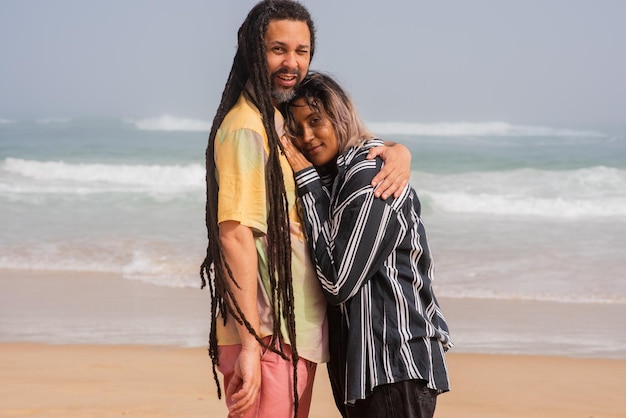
<point x="558" y="63"/>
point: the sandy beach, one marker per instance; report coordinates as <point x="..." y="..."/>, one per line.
<point x="87" y="381"/>
<point x="126" y="348"/>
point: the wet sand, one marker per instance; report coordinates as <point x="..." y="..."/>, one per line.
<point x="89" y="381"/>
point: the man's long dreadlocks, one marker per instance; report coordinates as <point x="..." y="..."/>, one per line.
<point x="250" y="69"/>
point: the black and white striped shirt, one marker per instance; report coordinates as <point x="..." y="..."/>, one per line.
<point x="374" y="263"/>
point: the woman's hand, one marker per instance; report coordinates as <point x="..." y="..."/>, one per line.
<point x="396" y="171"/>
<point x="297" y="161"/>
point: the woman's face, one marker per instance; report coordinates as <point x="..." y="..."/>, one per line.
<point x="315" y="135"/>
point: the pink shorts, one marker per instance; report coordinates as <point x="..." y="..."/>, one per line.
<point x="276" y="395"/>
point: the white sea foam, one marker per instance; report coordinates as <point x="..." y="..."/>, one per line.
<point x="511" y="205"/>
<point x="170" y="123"/>
<point x="175" y="267"/>
<point x="465" y="292"/>
<point x="175" y="123"/>
<point x="53" y="258"/>
<point x="595" y="191"/>
<point x="473" y="129"/>
<point x="59" y="176"/>
<point x="139" y="263"/>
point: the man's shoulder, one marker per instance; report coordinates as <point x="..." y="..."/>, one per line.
<point x="243" y="115"/>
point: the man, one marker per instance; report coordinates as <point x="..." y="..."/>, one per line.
<point x="264" y="291"/>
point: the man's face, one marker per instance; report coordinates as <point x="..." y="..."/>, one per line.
<point x="288" y="51"/>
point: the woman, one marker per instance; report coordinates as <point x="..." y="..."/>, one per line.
<point x="388" y="335"/>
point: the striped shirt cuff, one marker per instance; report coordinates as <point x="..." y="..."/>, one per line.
<point x="307" y="181"/>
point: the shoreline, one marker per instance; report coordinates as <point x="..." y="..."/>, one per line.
<point x="105" y="308"/>
<point x="86" y="381"/>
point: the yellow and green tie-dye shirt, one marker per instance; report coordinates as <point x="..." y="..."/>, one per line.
<point x="241" y="150"/>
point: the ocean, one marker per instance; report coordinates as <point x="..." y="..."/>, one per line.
<point x="526" y="225"/>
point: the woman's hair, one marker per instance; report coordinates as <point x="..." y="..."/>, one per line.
<point x="250" y="73"/>
<point x="325" y="95"/>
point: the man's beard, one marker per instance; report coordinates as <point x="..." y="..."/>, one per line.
<point x="281" y="95"/>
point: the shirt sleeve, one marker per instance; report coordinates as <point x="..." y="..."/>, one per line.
<point x="240" y="161"/>
<point x="352" y="236"/>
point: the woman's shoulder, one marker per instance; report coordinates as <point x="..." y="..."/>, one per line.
<point x="358" y="153"/>
<point x="354" y="166"/>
